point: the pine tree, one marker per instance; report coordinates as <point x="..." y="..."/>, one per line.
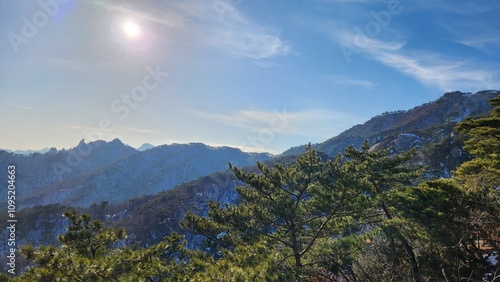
<point x="89" y="252"/>
<point x="455" y="215"/>
<point x="295" y="208"/>
<point x="383" y="175"/>
<point x="480" y="177"/>
<point x="84" y="244"/>
<point x="484" y="145"/>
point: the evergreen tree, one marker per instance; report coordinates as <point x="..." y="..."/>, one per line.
<point x="458" y="215"/>
<point x="296" y="209"/>
<point x="484" y="145"/>
<point x="89" y="252"/>
<point x="88" y="237"/>
<point x="84" y="243"/>
<point x="247" y="262"/>
<point x="438" y="211"/>
<point x="384" y="174"/>
<point x="480" y="177"/>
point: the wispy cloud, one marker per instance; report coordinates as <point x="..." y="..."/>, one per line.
<point x="486" y="43"/>
<point x="480" y="33"/>
<point x="144" y="131"/>
<point x="247" y="119"/>
<point x="20" y="106"/>
<point x="313" y="122"/>
<point x="79" y="127"/>
<point x="237" y="34"/>
<point x="224" y="28"/>
<point x="353" y="1"/>
<point x="85" y="65"/>
<point x="459" y="7"/>
<point x="164" y="16"/>
<point x="249" y="43"/>
<point x="444" y="73"/>
<point x="471" y="23"/>
<point x="337" y="79"/>
<point x="109" y="132"/>
<point x="360" y="43"/>
<point x="429" y="68"/>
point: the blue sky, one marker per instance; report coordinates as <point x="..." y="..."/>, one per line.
<point x="255" y="74"/>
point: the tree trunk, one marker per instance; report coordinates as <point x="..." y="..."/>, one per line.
<point x="415" y="271"/>
<point x="409" y="250"/>
<point x="296" y="252"/>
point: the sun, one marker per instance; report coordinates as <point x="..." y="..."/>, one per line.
<point x="131" y="29"/>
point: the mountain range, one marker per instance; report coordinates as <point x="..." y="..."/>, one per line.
<point x="449" y="109"/>
<point x="114" y="172"/>
<point x="429" y="128"/>
<point x="147" y="192"/>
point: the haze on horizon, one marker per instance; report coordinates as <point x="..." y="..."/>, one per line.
<point x="258" y="75"/>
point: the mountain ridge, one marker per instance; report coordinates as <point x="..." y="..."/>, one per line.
<point x="451" y="107"/>
<point x="112" y="171"/>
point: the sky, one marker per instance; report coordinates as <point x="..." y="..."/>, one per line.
<point x="259" y="75"/>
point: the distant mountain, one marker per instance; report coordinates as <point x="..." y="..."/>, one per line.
<point x="114" y="172"/>
<point x="29" y="152"/>
<point x="39" y="174"/>
<point x="145" y="146"/>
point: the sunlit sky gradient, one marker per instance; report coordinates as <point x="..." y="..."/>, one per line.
<point x="256" y="74"/>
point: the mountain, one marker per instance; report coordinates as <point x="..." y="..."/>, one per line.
<point x="114" y="172"/>
<point x="445" y="112"/>
<point x="37" y="174"/>
<point x="145" y="146"/>
<point x="29" y="152"/>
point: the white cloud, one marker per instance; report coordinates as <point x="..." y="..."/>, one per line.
<point x="249" y="43"/>
<point x="247" y="119"/>
<point x="232" y="31"/>
<point x="459" y="7"/>
<point x="142" y="131"/>
<point x="480" y="33"/>
<point x="429" y="68"/>
<point x="353" y="1"/>
<point x="20" y="106"/>
<point x="471" y="23"/>
<point x="316" y="123"/>
<point x="164" y="16"/>
<point x="215" y="23"/>
<point x="85" y="65"/>
<point x="485" y="43"/>
<point x="349" y="81"/>
<point x="444" y="73"/>
<point x="359" y="42"/>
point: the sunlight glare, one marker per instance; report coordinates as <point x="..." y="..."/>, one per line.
<point x="131" y="29"/>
